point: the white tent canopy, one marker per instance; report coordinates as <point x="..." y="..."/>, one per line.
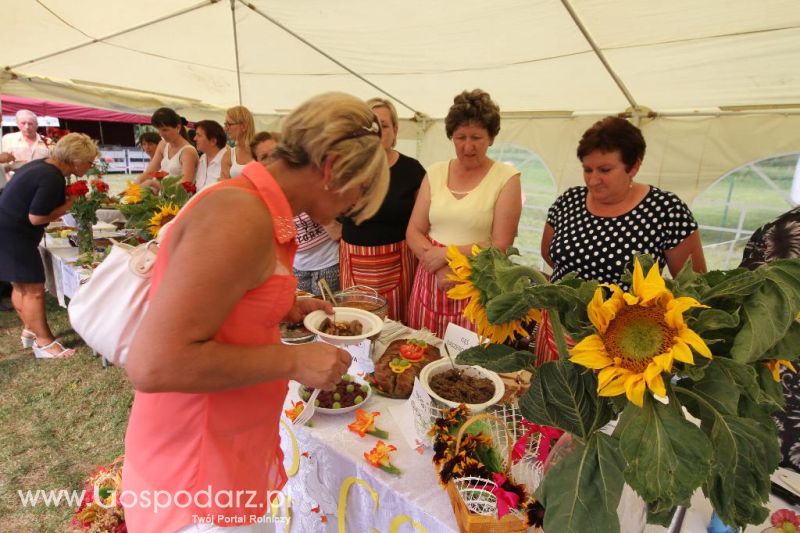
<point x="554" y="66"/>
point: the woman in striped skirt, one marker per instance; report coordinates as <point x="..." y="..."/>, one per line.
<point x="465" y="201"/>
<point x="375" y="253"/>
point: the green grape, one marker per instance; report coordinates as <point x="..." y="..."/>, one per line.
<point x="337" y="396"/>
<point x="316" y="403"/>
<point x="337" y="405"/>
<point x="347" y="377"/>
<point x="359" y="399"/>
<point x="350" y="388"/>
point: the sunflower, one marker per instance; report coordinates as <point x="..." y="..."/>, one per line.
<point x="160" y="219"/>
<point x="475" y="311"/>
<point x="639" y="335"/>
<point x="775" y="365"/>
<point x="133" y="194"/>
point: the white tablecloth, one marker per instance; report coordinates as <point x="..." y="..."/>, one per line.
<point x="329" y="454"/>
<point x="334" y="454"/>
<point x="62" y="279"/>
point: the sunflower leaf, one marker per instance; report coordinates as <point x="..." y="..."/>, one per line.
<point x="771" y="396"/>
<point x="507" y="307"/>
<point x="787" y="347"/>
<point x="563" y="395"/>
<point x="582" y="491"/>
<point x="722" y="385"/>
<point x="733" y="284"/>
<point x="714" y="319"/>
<point x="662" y="517"/>
<point x="497" y="358"/>
<point x="667" y="456"/>
<point x="739" y="483"/>
<point x="766" y="317"/>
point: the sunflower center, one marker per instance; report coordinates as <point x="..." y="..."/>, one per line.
<point x="636" y="335"/>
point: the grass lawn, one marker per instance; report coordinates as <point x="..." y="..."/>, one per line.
<point x="60" y="419"/>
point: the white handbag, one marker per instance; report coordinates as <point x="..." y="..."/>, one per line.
<point x="108" y="308"/>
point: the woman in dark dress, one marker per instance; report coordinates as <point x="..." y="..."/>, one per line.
<point x="32" y="199"/>
<point x="375" y="253"/>
<point x="780" y="239"/>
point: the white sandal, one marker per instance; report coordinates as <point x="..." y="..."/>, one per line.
<point x="41" y="352"/>
<point x="27" y="338"/>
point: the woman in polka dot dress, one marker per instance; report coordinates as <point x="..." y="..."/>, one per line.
<point x="596" y="230"/>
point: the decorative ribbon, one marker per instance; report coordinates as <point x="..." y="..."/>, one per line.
<point x="548" y="434"/>
<point x="343" y="490"/>
<point x="505" y="499"/>
<point x="295" y="451"/>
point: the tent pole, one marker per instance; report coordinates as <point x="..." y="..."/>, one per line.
<point x="236" y="50"/>
<point x="599" y="54"/>
<point x="328" y="56"/>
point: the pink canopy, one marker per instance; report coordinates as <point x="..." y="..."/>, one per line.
<point x="12" y="104"/>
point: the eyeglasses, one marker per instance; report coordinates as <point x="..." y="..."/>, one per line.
<point x="229" y="124"/>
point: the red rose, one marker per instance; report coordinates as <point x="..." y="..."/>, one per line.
<point x="159" y="174"/>
<point x="100" y="185"/>
<point x="189" y="187"/>
<point x="79" y="188"/>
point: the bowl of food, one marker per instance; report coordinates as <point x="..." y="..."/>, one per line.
<point x="295" y="333"/>
<point x="348" y="395"/>
<point x="361" y="299"/>
<point x="474" y="386"/>
<point x="347" y="325"/>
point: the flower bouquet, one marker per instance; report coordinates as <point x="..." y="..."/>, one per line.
<point x="148" y="211"/>
<point x="88" y="198"/>
<point x="685" y="366"/>
<point x="100" y="509"/>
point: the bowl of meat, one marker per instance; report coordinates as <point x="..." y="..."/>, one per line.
<point x="347" y="325"/>
<point x="474" y="386"/>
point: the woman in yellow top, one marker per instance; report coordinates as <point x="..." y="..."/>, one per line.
<point x="468" y="200"/>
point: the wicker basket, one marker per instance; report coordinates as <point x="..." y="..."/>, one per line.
<point x="468" y="494"/>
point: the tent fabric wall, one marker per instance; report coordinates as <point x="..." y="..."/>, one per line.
<point x="684" y="154"/>
<point x="554" y="66"/>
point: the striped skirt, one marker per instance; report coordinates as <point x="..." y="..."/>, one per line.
<point x="388" y="268"/>
<point x="430" y="307"/>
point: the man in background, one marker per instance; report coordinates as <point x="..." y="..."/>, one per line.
<point x="24" y="145"/>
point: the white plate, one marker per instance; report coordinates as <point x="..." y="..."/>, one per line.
<point x="328" y="411"/>
<point x="371" y="323"/>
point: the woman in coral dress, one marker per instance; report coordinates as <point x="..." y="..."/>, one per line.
<point x="207" y="364"/>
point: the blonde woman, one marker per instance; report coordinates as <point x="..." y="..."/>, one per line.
<point x="35" y="197"/>
<point x="375" y="253"/>
<point x="240" y="126"/>
<point x="207" y="363"/>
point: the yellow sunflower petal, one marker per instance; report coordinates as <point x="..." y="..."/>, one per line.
<point x="591" y="353"/>
<point x="654" y="380"/>
<point x="652" y="287"/>
<point x="611" y="381"/>
<point x="675" y="309"/>
<point x="693" y="339"/>
<point x="602" y="311"/>
<point x="664" y="361"/>
<point x="681" y="351"/>
<point x="634" y="389"/>
<point x="461" y="291"/>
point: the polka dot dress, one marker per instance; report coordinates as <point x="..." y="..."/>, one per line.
<point x="601" y="248"/>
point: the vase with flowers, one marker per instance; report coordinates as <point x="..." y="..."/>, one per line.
<point x="686" y="368"/>
<point x="88" y="198"/>
<point x="148" y="210"/>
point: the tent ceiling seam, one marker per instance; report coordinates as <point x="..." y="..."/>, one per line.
<point x="328" y="56"/>
<point x="205" y="3"/>
<point x="599" y="53"/>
